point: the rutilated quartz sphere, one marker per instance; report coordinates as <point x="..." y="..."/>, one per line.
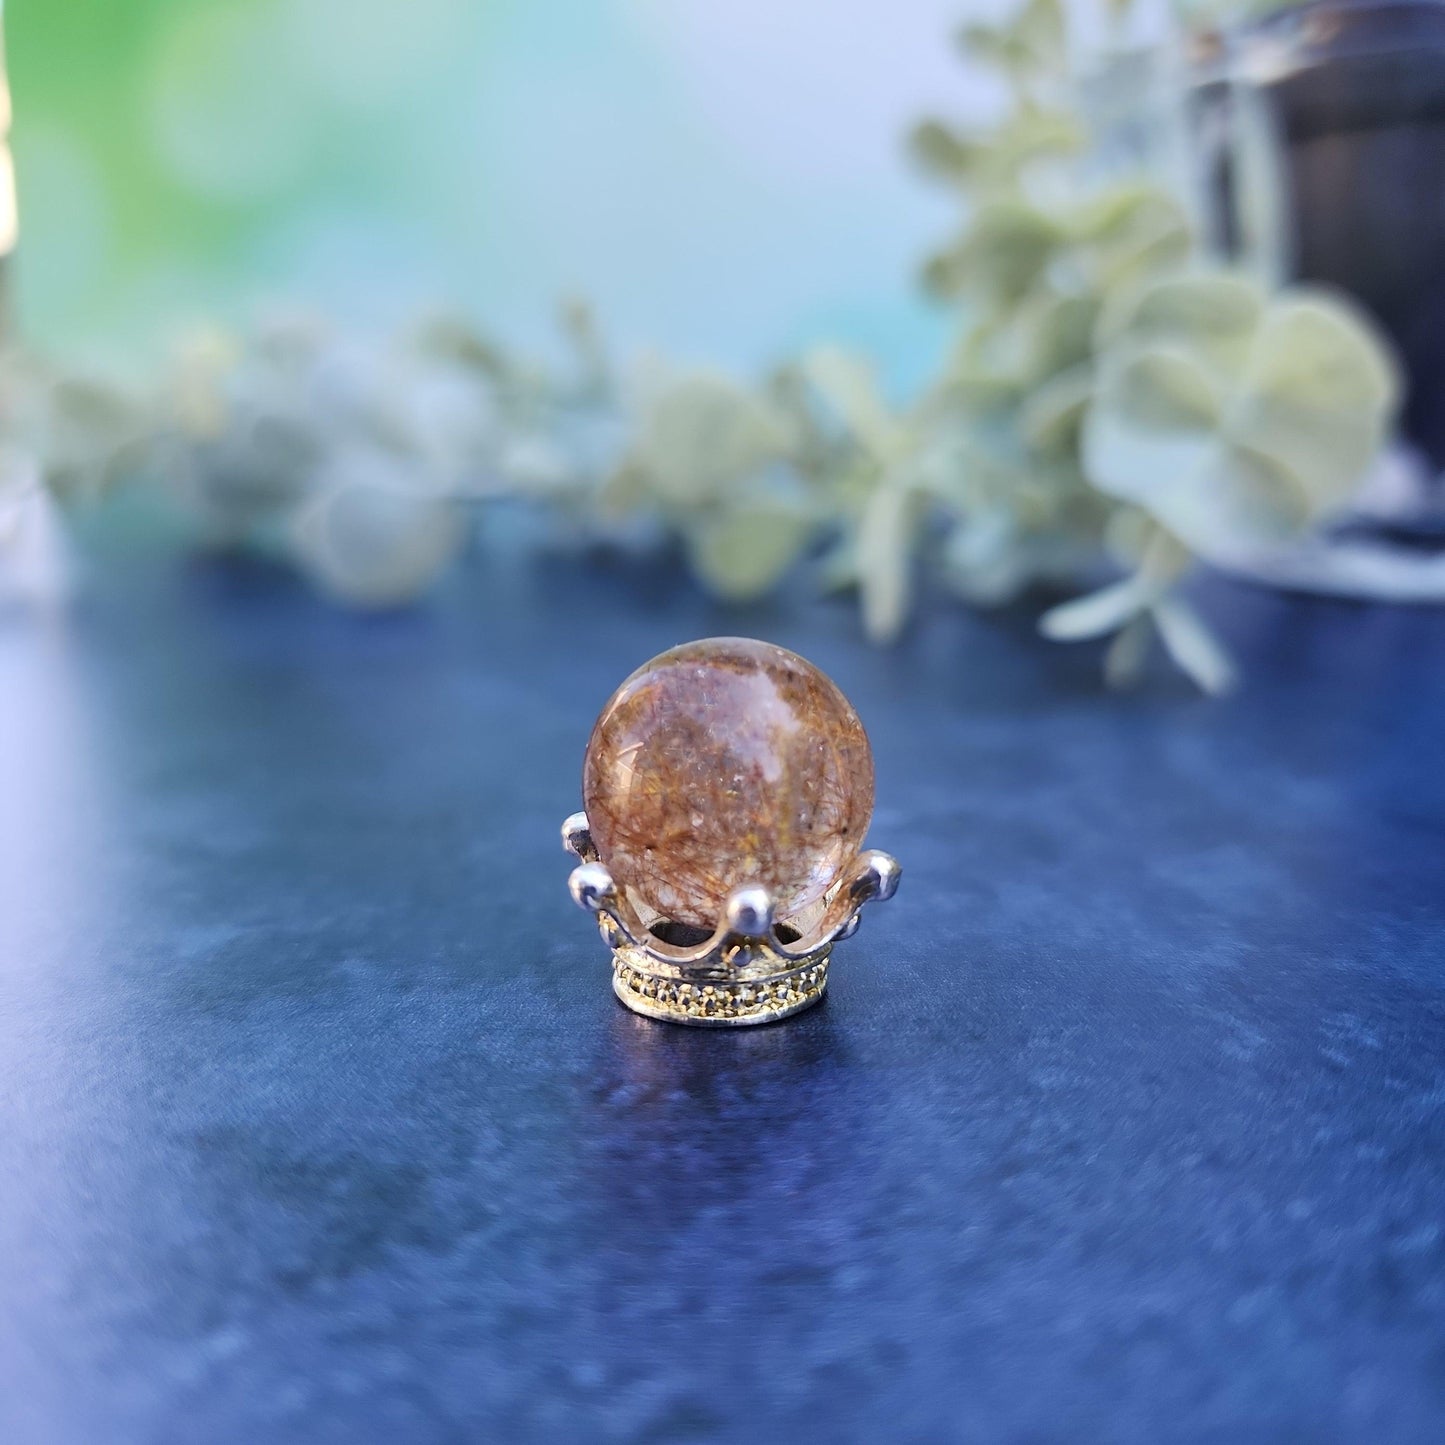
<point x="725" y="763"/>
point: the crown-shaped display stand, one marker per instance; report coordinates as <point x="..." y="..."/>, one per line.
<point x="751" y="969"/>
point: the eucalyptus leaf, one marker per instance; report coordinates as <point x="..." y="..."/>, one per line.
<point x="995" y="159"/>
<point x="1059" y="330"/>
<point x="1316" y="398"/>
<point x="1213" y="313"/>
<point x="1052" y="416"/>
<point x="624" y="489"/>
<point x="976" y="390"/>
<point x="942" y="150"/>
<point x="1032" y="41"/>
<point x="1099" y="612"/>
<point x="454" y="339"/>
<point x="838" y="567"/>
<point x="848" y="385"/>
<point x="1161" y="248"/>
<point x="1120" y="213"/>
<point x="1223" y="462"/>
<point x="1162" y="392"/>
<point x="990" y="364"/>
<point x="1003" y="254"/>
<point x="991" y="558"/>
<point x="702" y="433"/>
<point x="1194" y="647"/>
<point x="1125" y="655"/>
<point x="579" y="326"/>
<point x="1153" y="438"/>
<point x="1133" y="232"/>
<point x="885" y="544"/>
<point x="742" y="551"/>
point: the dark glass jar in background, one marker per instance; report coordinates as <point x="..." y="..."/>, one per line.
<point x="1356" y="91"/>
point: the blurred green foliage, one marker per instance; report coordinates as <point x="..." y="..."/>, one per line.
<point x="171" y="153"/>
<point x="1114" y="408"/>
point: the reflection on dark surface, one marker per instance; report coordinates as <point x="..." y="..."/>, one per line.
<point x="700" y="1120"/>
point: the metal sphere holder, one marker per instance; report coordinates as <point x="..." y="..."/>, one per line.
<point x="751" y="969"/>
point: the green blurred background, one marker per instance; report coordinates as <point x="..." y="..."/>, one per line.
<point x="723" y="182"/>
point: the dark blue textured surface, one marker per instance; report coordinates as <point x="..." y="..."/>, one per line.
<point x="1125" y="1121"/>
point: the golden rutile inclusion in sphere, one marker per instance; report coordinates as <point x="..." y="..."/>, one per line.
<point x="726" y="763"/>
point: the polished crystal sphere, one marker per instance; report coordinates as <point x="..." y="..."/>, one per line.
<point x="727" y="763"/>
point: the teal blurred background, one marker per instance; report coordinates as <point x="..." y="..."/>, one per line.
<point x="723" y="181"/>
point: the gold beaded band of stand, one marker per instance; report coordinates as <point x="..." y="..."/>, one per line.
<point x="716" y="1003"/>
